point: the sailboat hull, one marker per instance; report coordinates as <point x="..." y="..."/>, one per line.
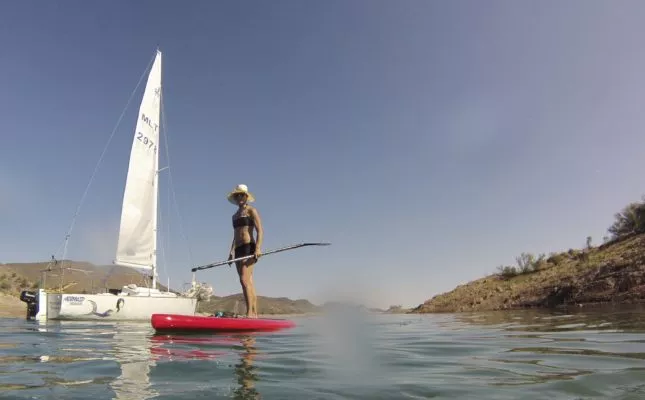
<point x="107" y="306"/>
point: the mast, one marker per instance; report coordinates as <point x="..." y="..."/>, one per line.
<point x="155" y="198"/>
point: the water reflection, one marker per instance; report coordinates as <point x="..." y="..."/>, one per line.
<point x="77" y="355"/>
<point x="626" y="319"/>
<point x="512" y="355"/>
<point x="132" y="350"/>
<point x="245" y="371"/>
<point x="242" y="348"/>
<point x="137" y="351"/>
<point x="525" y="347"/>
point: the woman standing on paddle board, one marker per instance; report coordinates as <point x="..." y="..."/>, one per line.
<point x="245" y="220"/>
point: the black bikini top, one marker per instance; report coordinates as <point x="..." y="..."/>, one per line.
<point x="243" y="221"/>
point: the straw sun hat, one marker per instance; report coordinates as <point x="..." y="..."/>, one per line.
<point x="240" y="189"/>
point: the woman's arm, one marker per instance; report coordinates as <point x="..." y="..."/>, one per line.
<point x="259" y="230"/>
<point x="231" y="252"/>
<point x="232" y="245"/>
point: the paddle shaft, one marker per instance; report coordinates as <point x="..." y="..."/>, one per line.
<point x="295" y="246"/>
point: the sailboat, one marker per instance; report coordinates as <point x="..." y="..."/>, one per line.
<point x="137" y="237"/>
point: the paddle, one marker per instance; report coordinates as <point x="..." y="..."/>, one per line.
<point x="295" y="246"/>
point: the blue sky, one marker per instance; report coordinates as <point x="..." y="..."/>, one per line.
<point x="430" y="142"/>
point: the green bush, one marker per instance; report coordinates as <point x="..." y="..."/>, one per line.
<point x="507" y="271"/>
<point x="630" y="220"/>
<point x="556" y="259"/>
<point x="526" y="264"/>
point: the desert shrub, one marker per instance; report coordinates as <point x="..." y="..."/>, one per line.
<point x="556" y="259"/>
<point x="540" y="262"/>
<point x="4" y="285"/>
<point x="507" y="271"/>
<point x="630" y="220"/>
<point x="527" y="262"/>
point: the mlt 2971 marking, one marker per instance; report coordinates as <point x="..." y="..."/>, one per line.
<point x="144" y="139"/>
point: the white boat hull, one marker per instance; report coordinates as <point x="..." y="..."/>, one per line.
<point x="107" y="306"/>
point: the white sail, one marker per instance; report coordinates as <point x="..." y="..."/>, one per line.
<point x="137" y="241"/>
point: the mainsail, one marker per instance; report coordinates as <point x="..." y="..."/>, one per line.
<point x="137" y="241"/>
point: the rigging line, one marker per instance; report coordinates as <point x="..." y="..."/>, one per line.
<point x="59" y="248"/>
<point x="163" y="258"/>
<point x="172" y="188"/>
<point x="166" y="237"/>
<point x="78" y="207"/>
<point x="165" y="228"/>
<point x="162" y="234"/>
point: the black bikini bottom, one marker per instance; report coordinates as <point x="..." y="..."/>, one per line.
<point x="244" y="250"/>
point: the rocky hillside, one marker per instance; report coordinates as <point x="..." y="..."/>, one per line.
<point x="611" y="273"/>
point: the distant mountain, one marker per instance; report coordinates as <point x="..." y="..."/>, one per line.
<point x="266" y="305"/>
<point x="72" y="276"/>
<point x="397" y="309"/>
<point x="348" y="305"/>
<point x="85" y="277"/>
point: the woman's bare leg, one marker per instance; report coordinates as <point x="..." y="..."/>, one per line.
<point x="245" y="270"/>
<point x="244" y="282"/>
<point x="253" y="300"/>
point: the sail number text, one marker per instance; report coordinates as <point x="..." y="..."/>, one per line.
<point x="143" y="138"/>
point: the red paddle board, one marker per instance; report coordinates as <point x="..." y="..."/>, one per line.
<point x="176" y="322"/>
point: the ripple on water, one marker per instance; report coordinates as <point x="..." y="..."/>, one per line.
<point x="502" y="355"/>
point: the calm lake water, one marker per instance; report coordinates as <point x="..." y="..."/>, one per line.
<point x="500" y="355"/>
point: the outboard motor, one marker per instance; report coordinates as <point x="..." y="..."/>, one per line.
<point x="31" y="298"/>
